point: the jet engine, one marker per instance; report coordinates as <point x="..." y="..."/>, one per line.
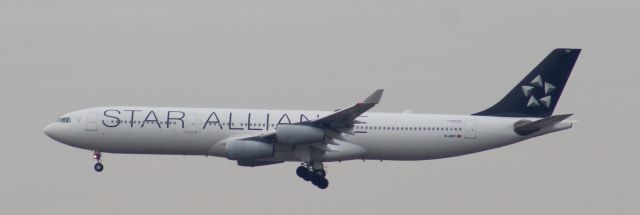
<point x="248" y="150"/>
<point x="299" y="134"/>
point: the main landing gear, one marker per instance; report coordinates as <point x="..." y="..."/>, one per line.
<point x="97" y="156"/>
<point x="314" y="172"/>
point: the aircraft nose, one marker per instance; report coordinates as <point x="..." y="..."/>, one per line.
<point x="47" y="130"/>
<point x="52" y="130"/>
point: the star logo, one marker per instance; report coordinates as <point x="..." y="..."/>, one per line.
<point x="538" y="83"/>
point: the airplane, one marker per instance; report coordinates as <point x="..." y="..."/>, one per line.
<point x="253" y="137"/>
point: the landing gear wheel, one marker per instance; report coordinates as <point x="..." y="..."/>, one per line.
<point x="319" y="182"/>
<point x="324" y="183"/>
<point x="314" y="172"/>
<point x="316" y="179"/>
<point x="303" y="173"/>
<point x="97" y="156"/>
<point x="98" y="167"/>
<point x="320" y="172"/>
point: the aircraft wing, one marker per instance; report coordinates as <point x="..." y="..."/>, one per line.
<point x="268" y="137"/>
<point x="343" y="120"/>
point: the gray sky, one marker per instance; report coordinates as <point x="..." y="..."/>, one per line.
<point x="454" y="57"/>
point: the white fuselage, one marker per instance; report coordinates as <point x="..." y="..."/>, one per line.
<point x="203" y="131"/>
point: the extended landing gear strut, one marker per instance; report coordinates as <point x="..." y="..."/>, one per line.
<point x="314" y="172"/>
<point x="97" y="156"/>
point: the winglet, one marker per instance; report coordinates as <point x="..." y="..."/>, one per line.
<point x="375" y="97"/>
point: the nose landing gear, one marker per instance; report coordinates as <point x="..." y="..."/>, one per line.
<point x="97" y="156"/>
<point x="313" y="172"/>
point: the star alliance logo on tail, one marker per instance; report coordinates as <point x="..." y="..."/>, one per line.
<point x="538" y="83"/>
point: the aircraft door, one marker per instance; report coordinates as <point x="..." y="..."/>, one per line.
<point x="92" y="122"/>
<point x="470" y="129"/>
<point x="190" y="123"/>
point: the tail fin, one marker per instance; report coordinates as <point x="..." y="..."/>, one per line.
<point x="538" y="93"/>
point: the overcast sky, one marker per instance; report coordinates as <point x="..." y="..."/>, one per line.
<point x="455" y="57"/>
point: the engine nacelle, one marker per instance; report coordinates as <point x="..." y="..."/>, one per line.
<point x="299" y="134"/>
<point x="248" y="150"/>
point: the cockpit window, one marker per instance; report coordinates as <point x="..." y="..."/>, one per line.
<point x="64" y="120"/>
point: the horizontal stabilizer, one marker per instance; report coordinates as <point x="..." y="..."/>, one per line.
<point x="528" y="127"/>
